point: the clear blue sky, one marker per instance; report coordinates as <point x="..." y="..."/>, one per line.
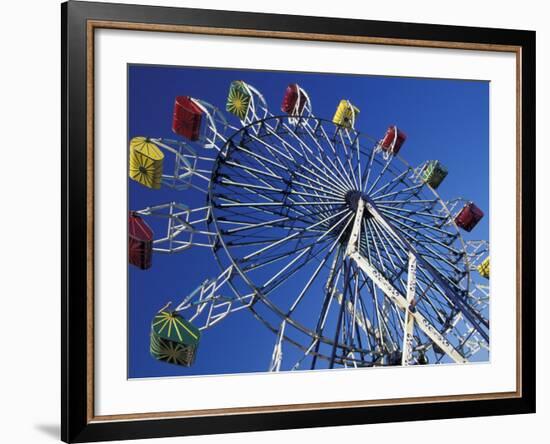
<point x="446" y="120"/>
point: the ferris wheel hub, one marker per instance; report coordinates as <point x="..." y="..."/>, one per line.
<point x="352" y="199"/>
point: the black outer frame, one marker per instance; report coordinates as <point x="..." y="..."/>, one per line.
<point x="74" y="423"/>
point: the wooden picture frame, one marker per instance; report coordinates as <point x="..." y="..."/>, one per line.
<point x="79" y="22"/>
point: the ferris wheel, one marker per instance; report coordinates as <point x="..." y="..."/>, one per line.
<point x="327" y="236"/>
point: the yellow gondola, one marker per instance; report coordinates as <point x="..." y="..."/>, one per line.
<point x="146" y="161"/>
<point x="346" y="114"/>
<point x="484" y="268"/>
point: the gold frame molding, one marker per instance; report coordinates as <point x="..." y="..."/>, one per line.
<point x="92" y="25"/>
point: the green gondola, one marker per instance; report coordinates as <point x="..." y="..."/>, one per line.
<point x="434" y="173"/>
<point x="238" y="99"/>
<point x="174" y="339"/>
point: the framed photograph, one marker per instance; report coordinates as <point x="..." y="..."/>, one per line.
<point x="276" y="221"/>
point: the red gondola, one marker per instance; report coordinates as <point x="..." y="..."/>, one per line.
<point x="187" y="118"/>
<point x="140" y="242"/>
<point x="294" y="100"/>
<point x="393" y="140"/>
<point x="468" y="217"/>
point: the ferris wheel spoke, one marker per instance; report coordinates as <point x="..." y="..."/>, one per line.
<point x="258" y="157"/>
<point x="330" y="176"/>
<point x="321" y="175"/>
<point x="356" y="181"/>
<point x="380" y="175"/>
<point x="327" y="139"/>
<point x="325" y="201"/>
<point x="389" y="185"/>
<point x="250" y="186"/>
<point x="355" y="150"/>
<point x="440" y="294"/>
<point x="432" y="294"/>
<point x="248" y="176"/>
<point x="320" y="266"/>
<point x="344" y="180"/>
<point x="292" y="194"/>
<point x="358" y="321"/>
<point x="397" y="320"/>
<point x="356" y="318"/>
<point x="267" y="287"/>
<point x="420" y="225"/>
<point x="441" y="259"/>
<point x="249" y="221"/>
<point x="271" y="259"/>
<point x="317" y="187"/>
<point x="251" y="217"/>
<point x="442" y="276"/>
<point x="351" y="183"/>
<point x="331" y="171"/>
<point x="333" y="168"/>
<point x="397" y="242"/>
<point x="407" y="230"/>
<point x="323" y="168"/>
<point x="309" y="283"/>
<point x="288" y="145"/>
<point x="339" y="139"/>
<point x="401" y="256"/>
<point x="383" y="330"/>
<point x="427" y="308"/>
<point x="253" y="214"/>
<point x="248" y="226"/>
<point x="329" y="294"/>
<point x="340" y="314"/>
<point x="408" y="191"/>
<point x="322" y="199"/>
<point x="348" y="151"/>
<point x="274" y="204"/>
<point x="383" y="243"/>
<point x="436" y="289"/>
<point x="306" y="150"/>
<point x="243" y="195"/>
<point x="376" y="339"/>
<point x="252" y="160"/>
<point x="336" y="186"/>
<point x="275" y="151"/>
<point x="392" y="327"/>
<point x="377" y="243"/>
<point x="442" y="263"/>
<point x="427" y="215"/>
<point x="293" y="235"/>
<point x="257" y="205"/>
<point x="262" y="192"/>
<point x="422" y="202"/>
<point x="310" y="248"/>
<point x="359" y="167"/>
<point x="368" y="170"/>
<point x="315" y="140"/>
<point x="338" y="167"/>
<point x="264" y="173"/>
<point x="255" y="239"/>
<point x="366" y="236"/>
<point x="368" y="328"/>
<point x="352" y="316"/>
